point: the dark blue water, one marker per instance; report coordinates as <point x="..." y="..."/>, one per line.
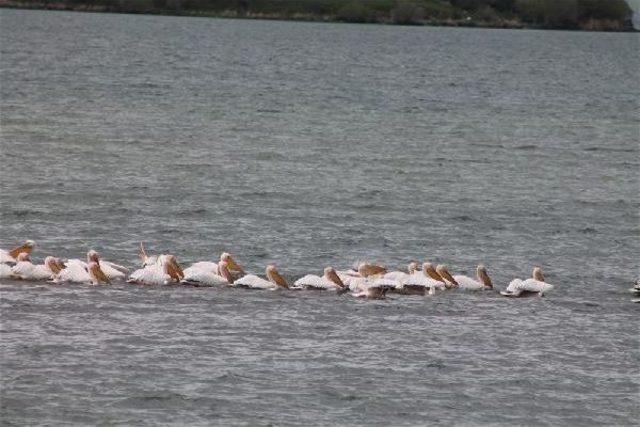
<point x="308" y="145"/>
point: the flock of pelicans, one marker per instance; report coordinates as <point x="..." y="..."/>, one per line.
<point x="367" y="281"/>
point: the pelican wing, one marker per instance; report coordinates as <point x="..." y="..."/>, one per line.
<point x="150" y="275"/>
<point x="382" y="283"/>
<point x="533" y="285"/>
<point x="315" y="282"/>
<point x="468" y="284"/>
<point x="5" y="271"/>
<point x="114" y="266"/>
<point x="74" y="272"/>
<point x="254" y="282"/>
<point x="201" y="267"/>
<point x="111" y="270"/>
<point x="6" y="258"/>
<point x="22" y="270"/>
<point x="203" y="277"/>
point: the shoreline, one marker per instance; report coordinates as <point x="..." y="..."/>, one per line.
<point x="513" y="24"/>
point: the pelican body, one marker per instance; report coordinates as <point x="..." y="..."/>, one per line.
<point x="273" y="281"/>
<point x="422" y="282"/>
<point x="533" y="286"/>
<point x="208" y="273"/>
<point x="165" y="270"/>
<point x="26" y="270"/>
<point x="77" y="271"/>
<point x="481" y="282"/>
<point x="328" y="281"/>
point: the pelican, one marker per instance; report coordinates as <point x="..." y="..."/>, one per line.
<point x="208" y="268"/>
<point x="329" y="281"/>
<point x="421" y="281"/>
<point x="26" y="270"/>
<point x="401" y="275"/>
<point x="77" y="271"/>
<point x="481" y="282"/>
<point x="9" y="257"/>
<point x="449" y="280"/>
<point x="221" y="276"/>
<point x="365" y="275"/>
<point x="164" y="271"/>
<point x="636" y="287"/>
<point x="274" y="280"/>
<point x="111" y="270"/>
<point x="535" y="285"/>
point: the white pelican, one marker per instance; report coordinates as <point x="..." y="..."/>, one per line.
<point x="329" y="281"/>
<point x="77" y="271"/>
<point x="111" y="270"/>
<point x="208" y="268"/>
<point x="365" y="275"/>
<point x="399" y="276"/>
<point x="207" y="277"/>
<point x="26" y="270"/>
<point x="535" y="285"/>
<point x="449" y="280"/>
<point x="421" y="281"/>
<point x="9" y="257"/>
<point x="481" y="282"/>
<point x="164" y="271"/>
<point x="274" y="280"/>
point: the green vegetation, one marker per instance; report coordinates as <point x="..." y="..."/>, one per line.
<point x="565" y="14"/>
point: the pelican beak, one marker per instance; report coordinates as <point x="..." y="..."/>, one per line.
<point x="432" y="273"/>
<point x="98" y="274"/>
<point x="276" y="278"/>
<point x="175" y="271"/>
<point x="333" y="276"/>
<point x="446" y="275"/>
<point x="20" y="249"/>
<point x="233" y="265"/>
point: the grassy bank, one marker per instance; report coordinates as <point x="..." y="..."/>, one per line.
<point x="593" y="15"/>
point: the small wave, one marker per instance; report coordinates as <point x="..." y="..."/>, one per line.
<point x="610" y="149"/>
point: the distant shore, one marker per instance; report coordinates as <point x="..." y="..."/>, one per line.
<point x="612" y="16"/>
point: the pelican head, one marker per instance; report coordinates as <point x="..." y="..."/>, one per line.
<point x="93" y="256"/>
<point x="54" y="264"/>
<point x="173" y="269"/>
<point x="23" y="256"/>
<point x="330" y="274"/>
<point x="366" y="270"/>
<point x="444" y="273"/>
<point x="27" y="247"/>
<point x="537" y="274"/>
<point x="275" y="277"/>
<point x="412" y="267"/>
<point x="481" y="272"/>
<point x="428" y="270"/>
<point x="231" y="263"/>
<point x="96" y="273"/>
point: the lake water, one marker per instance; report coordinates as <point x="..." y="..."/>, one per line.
<point x="308" y="145"/>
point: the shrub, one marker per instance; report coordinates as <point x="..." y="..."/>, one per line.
<point x="354" y="11"/>
<point x="407" y="13"/>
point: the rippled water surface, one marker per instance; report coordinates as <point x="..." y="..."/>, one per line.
<point x="308" y="145"/>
